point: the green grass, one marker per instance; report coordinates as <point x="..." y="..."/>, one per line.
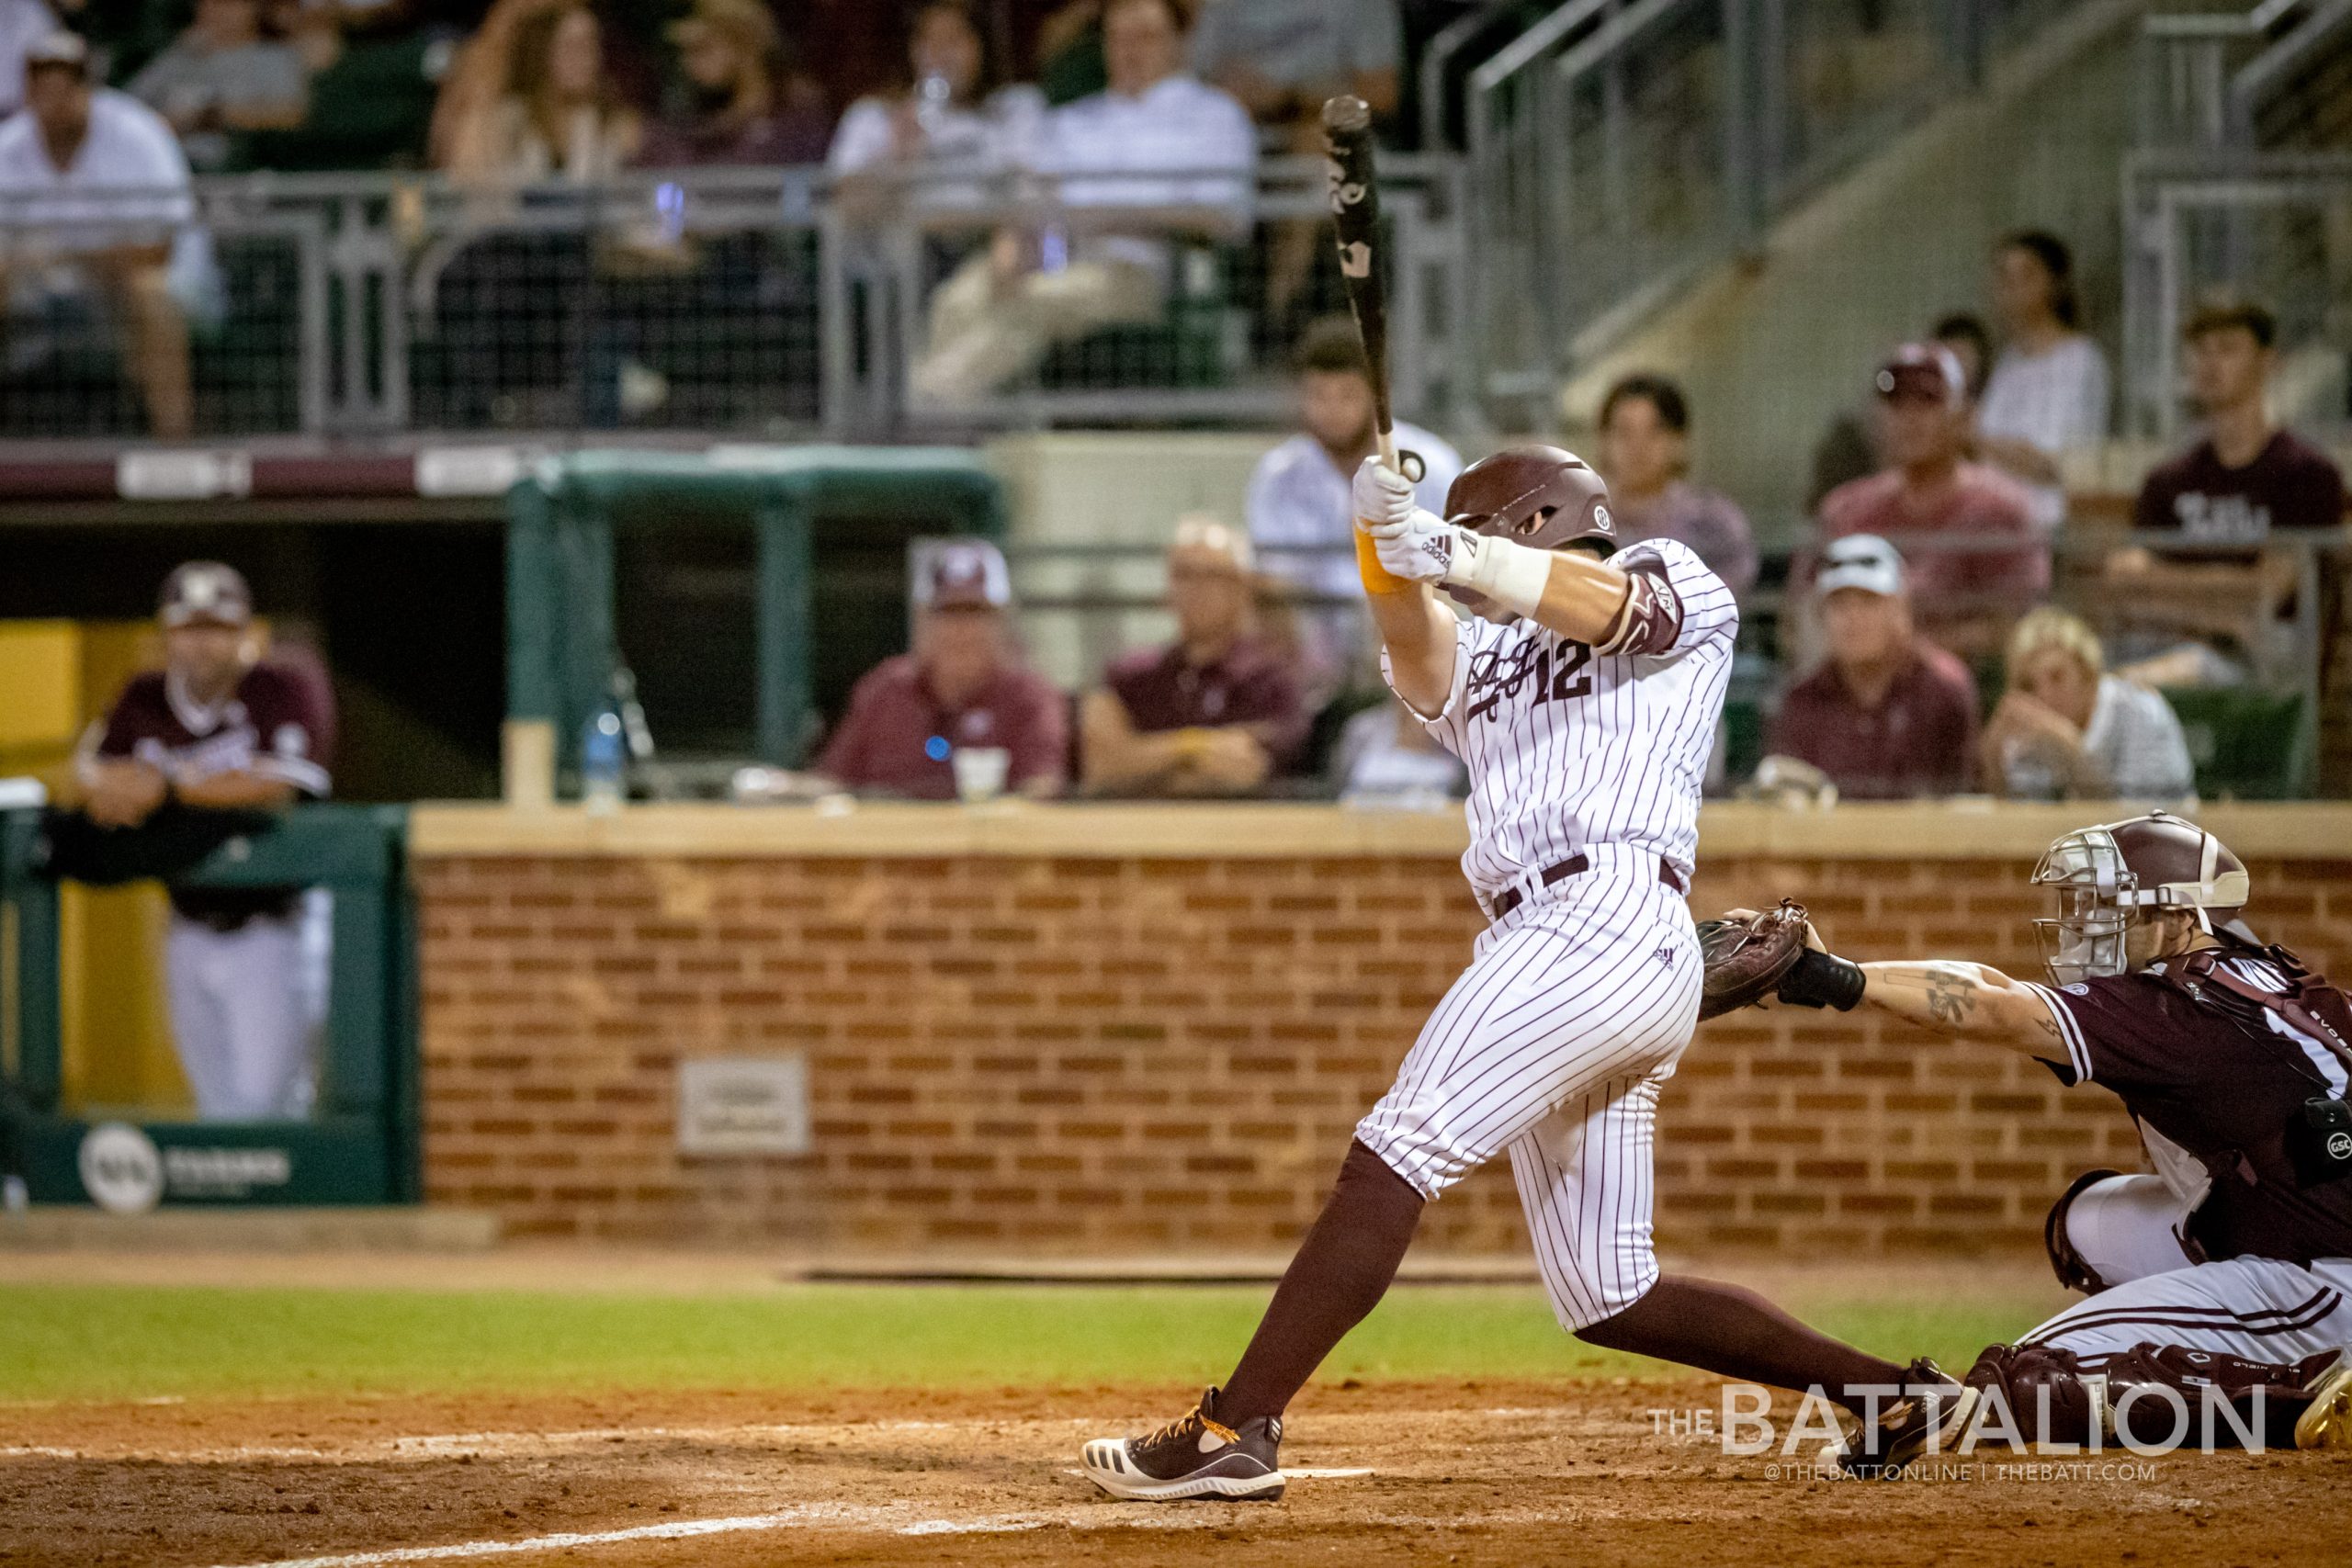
<point x="88" y="1342"/>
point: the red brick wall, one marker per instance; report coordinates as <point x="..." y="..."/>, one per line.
<point x="1088" y="1055"/>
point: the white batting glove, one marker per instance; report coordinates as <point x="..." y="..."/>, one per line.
<point x="1383" y="496"/>
<point x="1419" y="547"/>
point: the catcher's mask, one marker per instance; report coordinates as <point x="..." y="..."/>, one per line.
<point x="2107" y="879"/>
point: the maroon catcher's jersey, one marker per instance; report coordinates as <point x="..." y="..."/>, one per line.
<point x="2218" y="1087"/>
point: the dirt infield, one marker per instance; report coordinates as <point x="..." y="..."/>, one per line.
<point x="1462" y="1473"/>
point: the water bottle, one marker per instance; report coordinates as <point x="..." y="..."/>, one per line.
<point x="603" y="762"/>
<point x="934" y="95"/>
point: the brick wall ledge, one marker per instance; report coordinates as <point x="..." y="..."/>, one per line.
<point x="1963" y="829"/>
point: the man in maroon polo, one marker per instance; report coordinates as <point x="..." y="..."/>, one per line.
<point x="1216" y="712"/>
<point x="1968" y="595"/>
<point x="1888" y="714"/>
<point x="964" y="687"/>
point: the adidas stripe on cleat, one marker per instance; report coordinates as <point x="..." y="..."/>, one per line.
<point x="1193" y="1457"/>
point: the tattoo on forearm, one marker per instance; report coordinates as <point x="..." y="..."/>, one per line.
<point x="1952" y="996"/>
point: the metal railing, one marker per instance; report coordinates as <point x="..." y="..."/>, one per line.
<point x="1619" y="147"/>
<point x="2206" y="75"/>
<point x="2275" y="227"/>
<point x="731" y="301"/>
<point x="1087" y="600"/>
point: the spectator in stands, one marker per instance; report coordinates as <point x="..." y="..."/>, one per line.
<point x="1218" y="711"/>
<point x="553" y="115"/>
<point x="1157" y="141"/>
<point x="1385" y="754"/>
<point x="1971" y="590"/>
<point x="220" y="728"/>
<point x="963" y="686"/>
<point x="1281" y="59"/>
<point x="949" y="117"/>
<point x="2247" y="476"/>
<point x="1300" y="498"/>
<point x="1848" y="449"/>
<point x="741" y="108"/>
<point x="2049" y="391"/>
<point x="1644" y="453"/>
<point x="374" y="76"/>
<point x="2065" y="730"/>
<point x="23" y="23"/>
<point x="2243" y="482"/>
<point x="223" y="76"/>
<point x="99" y="189"/>
<point x="1888" y="714"/>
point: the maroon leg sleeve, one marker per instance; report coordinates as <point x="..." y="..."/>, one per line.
<point x="1737" y="1334"/>
<point x="1342" y="1269"/>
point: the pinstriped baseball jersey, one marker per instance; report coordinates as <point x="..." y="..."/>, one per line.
<point x="1569" y="746"/>
<point x="1581" y="996"/>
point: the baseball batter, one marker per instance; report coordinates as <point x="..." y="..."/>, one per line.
<point x="2229" y="1265"/>
<point x="1583" y="697"/>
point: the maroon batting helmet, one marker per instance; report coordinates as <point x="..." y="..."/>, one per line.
<point x="1537" y="496"/>
<point x="2108" y="877"/>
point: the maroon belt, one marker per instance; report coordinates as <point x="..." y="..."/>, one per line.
<point x="1510" y="898"/>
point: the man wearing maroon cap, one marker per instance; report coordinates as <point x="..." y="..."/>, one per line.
<point x="220" y="728"/>
<point x="962" y="688"/>
<point x="1216" y="712"/>
<point x="1970" y="591"/>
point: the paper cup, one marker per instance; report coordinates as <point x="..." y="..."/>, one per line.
<point x="979" y="772"/>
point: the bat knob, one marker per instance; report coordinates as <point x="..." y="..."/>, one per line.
<point x="1346" y="115"/>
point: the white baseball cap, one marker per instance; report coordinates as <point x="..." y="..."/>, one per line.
<point x="1860" y="560"/>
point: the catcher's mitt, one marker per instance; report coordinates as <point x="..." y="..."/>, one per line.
<point x="1745" y="958"/>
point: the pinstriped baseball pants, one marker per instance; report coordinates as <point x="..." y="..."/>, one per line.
<point x="1551" y="1046"/>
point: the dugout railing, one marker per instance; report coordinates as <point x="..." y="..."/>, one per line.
<point x="360" y="1145"/>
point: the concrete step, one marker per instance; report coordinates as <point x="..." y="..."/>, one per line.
<point x="58" y="1228"/>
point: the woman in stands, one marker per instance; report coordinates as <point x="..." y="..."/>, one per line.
<point x="949" y="115"/>
<point x="554" y="115"/>
<point x="2068" y="728"/>
<point x="2049" y="391"/>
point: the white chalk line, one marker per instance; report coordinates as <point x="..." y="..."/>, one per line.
<point x="447" y="1445"/>
<point x="892" y="1519"/>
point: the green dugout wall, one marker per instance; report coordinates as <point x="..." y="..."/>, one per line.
<point x="361" y="1145"/>
<point x="811" y="513"/>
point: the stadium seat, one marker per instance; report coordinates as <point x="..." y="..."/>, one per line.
<point x="2246" y="744"/>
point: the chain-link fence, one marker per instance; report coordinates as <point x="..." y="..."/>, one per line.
<point x="148" y="312"/>
<point x="744" y="302"/>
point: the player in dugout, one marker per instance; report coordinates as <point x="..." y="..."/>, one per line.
<point x="221" y="728"/>
<point x="2229" y="1268"/>
<point x="1583" y="697"/>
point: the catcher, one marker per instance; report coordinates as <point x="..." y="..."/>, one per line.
<point x="2229" y="1269"/>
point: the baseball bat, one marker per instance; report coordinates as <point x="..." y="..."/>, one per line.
<point x="1355" y="218"/>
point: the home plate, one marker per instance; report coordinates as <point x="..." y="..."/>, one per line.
<point x="1290" y="1474"/>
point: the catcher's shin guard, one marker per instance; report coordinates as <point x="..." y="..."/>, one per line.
<point x="2150" y="1397"/>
